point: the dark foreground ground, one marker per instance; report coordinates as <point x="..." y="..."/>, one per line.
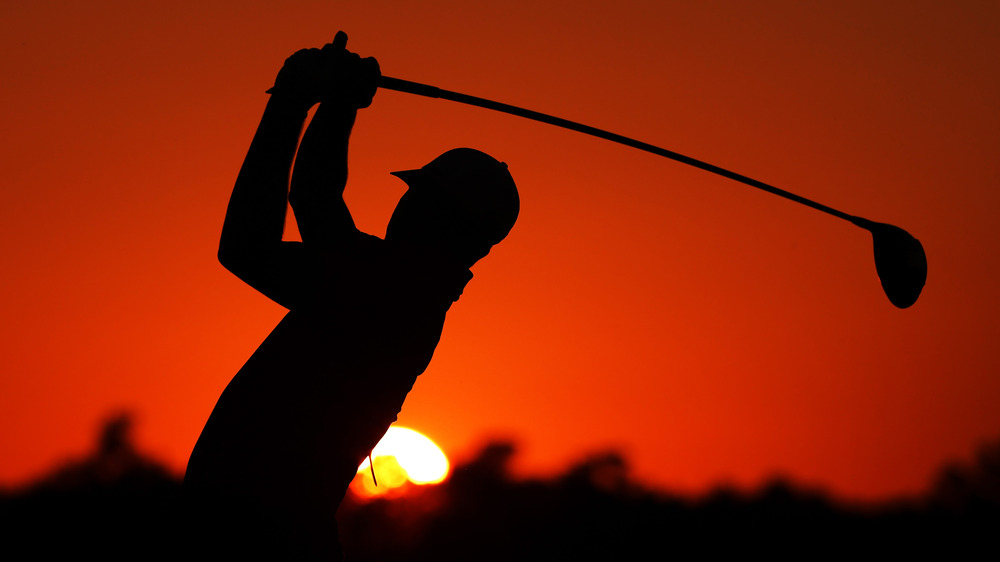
<point x="118" y="505"/>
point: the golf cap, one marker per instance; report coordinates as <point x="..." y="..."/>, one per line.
<point x="475" y="185"/>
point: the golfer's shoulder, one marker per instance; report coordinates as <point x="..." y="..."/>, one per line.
<point x="370" y="240"/>
<point x="355" y="252"/>
<point x="350" y="244"/>
<point x="367" y="247"/>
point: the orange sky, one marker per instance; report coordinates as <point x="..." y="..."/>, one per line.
<point x="711" y="332"/>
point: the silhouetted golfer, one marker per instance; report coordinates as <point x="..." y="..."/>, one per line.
<point x="365" y="314"/>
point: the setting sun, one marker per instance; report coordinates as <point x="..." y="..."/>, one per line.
<point x="401" y="456"/>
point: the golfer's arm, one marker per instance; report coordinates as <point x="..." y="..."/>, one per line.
<point x="251" y="245"/>
<point x="319" y="178"/>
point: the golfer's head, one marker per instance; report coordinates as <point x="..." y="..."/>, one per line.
<point x="462" y="202"/>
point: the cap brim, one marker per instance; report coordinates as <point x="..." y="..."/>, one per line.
<point x="411" y="177"/>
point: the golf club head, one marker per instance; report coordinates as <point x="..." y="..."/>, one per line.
<point x="899" y="260"/>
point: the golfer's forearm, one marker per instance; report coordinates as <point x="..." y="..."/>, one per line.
<point x="320" y="174"/>
<point x="256" y="212"/>
<point x="321" y="162"/>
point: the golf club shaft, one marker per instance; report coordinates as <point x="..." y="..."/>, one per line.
<point x="434" y="92"/>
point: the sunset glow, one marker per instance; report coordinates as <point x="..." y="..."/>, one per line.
<point x="710" y="332"/>
<point x="402" y="456"/>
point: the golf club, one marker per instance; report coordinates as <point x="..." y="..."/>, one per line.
<point x="900" y="260"/>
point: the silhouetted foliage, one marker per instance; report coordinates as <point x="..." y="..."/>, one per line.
<point x="594" y="511"/>
<point x="115" y="504"/>
<point x="118" y="505"/>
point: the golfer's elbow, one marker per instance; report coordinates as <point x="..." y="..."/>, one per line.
<point x="234" y="259"/>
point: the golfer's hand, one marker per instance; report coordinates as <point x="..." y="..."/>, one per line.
<point x="354" y="79"/>
<point x="300" y="79"/>
<point x="331" y="74"/>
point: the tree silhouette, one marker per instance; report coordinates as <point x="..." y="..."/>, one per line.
<point x="120" y="505"/>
